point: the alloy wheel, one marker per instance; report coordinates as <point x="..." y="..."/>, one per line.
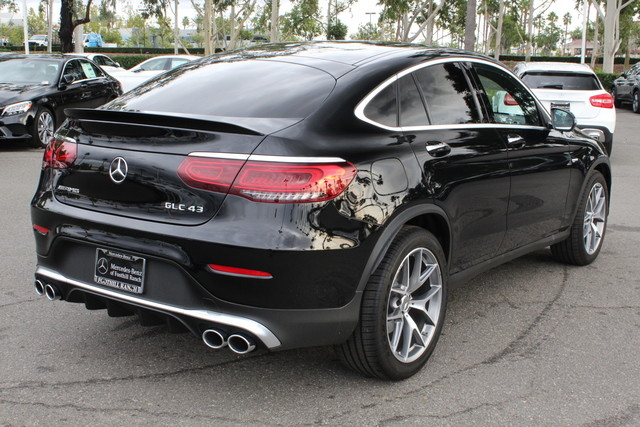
<point x="45" y="127"/>
<point x="594" y="218"/>
<point x="413" y="309"/>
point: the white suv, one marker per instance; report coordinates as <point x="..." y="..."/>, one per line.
<point x="573" y="87"/>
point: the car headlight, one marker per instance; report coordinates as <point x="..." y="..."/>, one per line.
<point x="17" y="108"/>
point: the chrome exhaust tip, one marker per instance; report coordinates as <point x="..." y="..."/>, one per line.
<point x="39" y="287"/>
<point x="52" y="293"/>
<point x="214" y="338"/>
<point x="241" y="344"/>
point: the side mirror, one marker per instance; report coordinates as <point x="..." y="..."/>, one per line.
<point x="623" y="75"/>
<point x="562" y="120"/>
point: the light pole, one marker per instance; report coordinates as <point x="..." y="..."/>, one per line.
<point x="25" y="27"/>
<point x="370" y="16"/>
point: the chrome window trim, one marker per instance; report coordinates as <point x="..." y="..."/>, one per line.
<point x="267" y="158"/>
<point x="359" y="110"/>
<point x="258" y="329"/>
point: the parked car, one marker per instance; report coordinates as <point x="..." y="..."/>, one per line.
<point x="148" y="69"/>
<point x="36" y="89"/>
<point x="576" y="88"/>
<point x="106" y="63"/>
<point x="626" y="88"/>
<point x="92" y="40"/>
<point x="312" y="194"/>
<point x="39" y="40"/>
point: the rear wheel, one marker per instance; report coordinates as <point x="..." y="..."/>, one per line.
<point x="43" y="127"/>
<point x="587" y="231"/>
<point x="403" y="308"/>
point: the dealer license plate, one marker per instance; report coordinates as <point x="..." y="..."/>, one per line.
<point x="561" y="105"/>
<point x="119" y="270"/>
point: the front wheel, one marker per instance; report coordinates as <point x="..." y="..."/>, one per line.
<point x="403" y="308"/>
<point x="43" y="128"/>
<point x="635" y="106"/>
<point x="587" y="231"/>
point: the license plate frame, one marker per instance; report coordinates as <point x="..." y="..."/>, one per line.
<point x="120" y="270"/>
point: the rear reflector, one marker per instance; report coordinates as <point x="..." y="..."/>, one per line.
<point x="40" y="229"/>
<point x="59" y="154"/>
<point x="235" y="271"/>
<point x="272" y="182"/>
<point x="603" y="100"/>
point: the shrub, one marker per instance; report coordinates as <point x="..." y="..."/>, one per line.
<point x="606" y="79"/>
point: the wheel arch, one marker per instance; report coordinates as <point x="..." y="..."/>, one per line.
<point x="428" y="217"/>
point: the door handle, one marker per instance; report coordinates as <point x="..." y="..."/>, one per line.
<point x="515" y="141"/>
<point x="437" y="148"/>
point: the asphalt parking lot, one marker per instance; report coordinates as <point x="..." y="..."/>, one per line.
<point x="532" y="342"/>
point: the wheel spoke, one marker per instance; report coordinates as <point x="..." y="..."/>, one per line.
<point x="421" y="303"/>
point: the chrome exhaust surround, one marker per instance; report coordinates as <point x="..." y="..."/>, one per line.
<point x="214" y="338"/>
<point x="52" y="293"/>
<point x="241" y="344"/>
<point x="39" y="287"/>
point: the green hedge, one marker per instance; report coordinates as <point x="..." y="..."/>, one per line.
<point x="607" y="79"/>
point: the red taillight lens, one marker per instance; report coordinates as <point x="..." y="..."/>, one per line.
<point x="603" y="100"/>
<point x="509" y="100"/>
<point x="40" y="229"/>
<point x="59" y="154"/>
<point x="272" y="182"/>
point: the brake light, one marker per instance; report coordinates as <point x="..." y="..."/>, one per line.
<point x="59" y="154"/>
<point x="509" y="100"/>
<point x="271" y="182"/>
<point x="604" y="100"/>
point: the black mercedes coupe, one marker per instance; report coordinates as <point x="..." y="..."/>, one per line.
<point x="35" y="90"/>
<point x="312" y="194"/>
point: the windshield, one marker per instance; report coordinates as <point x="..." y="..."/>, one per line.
<point x="28" y="71"/>
<point x="561" y="81"/>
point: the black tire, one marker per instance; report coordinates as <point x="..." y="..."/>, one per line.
<point x="40" y="137"/>
<point x="578" y="248"/>
<point x="635" y="105"/>
<point x="616" y="101"/>
<point x="369" y="350"/>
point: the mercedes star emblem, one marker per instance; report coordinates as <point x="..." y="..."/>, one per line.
<point x="103" y="266"/>
<point x="118" y="170"/>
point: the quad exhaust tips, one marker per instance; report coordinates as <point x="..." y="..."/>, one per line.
<point x="50" y="291"/>
<point x="237" y="343"/>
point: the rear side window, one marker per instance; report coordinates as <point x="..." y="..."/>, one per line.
<point x="561" y="81"/>
<point x="257" y="89"/>
<point x="412" y="112"/>
<point x="447" y="95"/>
<point x="383" y="108"/>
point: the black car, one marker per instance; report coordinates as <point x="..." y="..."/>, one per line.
<point x="312" y="194"/>
<point x="626" y="89"/>
<point x="35" y="90"/>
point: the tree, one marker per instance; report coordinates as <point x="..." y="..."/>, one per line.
<point x="566" y="21"/>
<point x="68" y="24"/>
<point x="407" y="15"/>
<point x="470" y="26"/>
<point x="158" y="10"/>
<point x="337" y="31"/>
<point x="303" y="21"/>
<point x="367" y="31"/>
<point x="611" y="17"/>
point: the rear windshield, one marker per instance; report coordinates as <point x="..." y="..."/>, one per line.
<point x="260" y="89"/>
<point x="561" y="81"/>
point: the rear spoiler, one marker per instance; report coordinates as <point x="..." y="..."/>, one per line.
<point x="237" y="125"/>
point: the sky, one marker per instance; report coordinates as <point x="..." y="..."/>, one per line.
<point x="353" y="17"/>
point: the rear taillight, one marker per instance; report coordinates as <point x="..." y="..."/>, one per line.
<point x="273" y="182"/>
<point x="59" y="154"/>
<point x="509" y="100"/>
<point x="603" y="100"/>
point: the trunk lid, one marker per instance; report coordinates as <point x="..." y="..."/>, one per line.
<point x="126" y="164"/>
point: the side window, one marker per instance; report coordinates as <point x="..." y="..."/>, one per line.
<point x="383" y="108"/>
<point x="447" y="95"/>
<point x="156" y="64"/>
<point x="510" y="102"/>
<point x="177" y="61"/>
<point x="89" y="71"/>
<point x="73" y="69"/>
<point x="412" y="112"/>
<point x="107" y="61"/>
